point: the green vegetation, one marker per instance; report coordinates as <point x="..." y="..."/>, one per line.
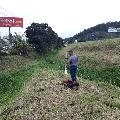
<point x="10" y="84"/>
<point x="99" y="60"/>
<point x="17" y="70"/>
<point x="45" y="98"/>
<point x="110" y="75"/>
<point x="19" y="46"/>
<point x="31" y="87"/>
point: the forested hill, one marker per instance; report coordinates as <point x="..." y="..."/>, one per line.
<point x="99" y="31"/>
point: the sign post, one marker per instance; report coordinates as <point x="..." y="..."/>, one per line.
<point x="9" y="33"/>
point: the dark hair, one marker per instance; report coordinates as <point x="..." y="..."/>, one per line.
<point x="70" y="52"/>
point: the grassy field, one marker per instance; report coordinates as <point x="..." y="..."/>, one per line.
<point x="99" y="61"/>
<point x="15" y="72"/>
<point x="30" y="88"/>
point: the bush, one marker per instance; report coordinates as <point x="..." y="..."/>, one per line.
<point x="20" y="46"/>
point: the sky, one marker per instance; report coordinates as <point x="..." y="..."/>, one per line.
<point x="66" y="17"/>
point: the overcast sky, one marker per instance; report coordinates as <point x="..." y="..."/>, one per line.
<point x="66" y="17"/>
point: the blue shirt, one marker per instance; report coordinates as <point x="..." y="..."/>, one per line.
<point x="73" y="60"/>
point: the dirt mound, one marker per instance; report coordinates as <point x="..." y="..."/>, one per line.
<point x="70" y="84"/>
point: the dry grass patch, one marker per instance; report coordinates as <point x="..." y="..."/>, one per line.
<point x="45" y="98"/>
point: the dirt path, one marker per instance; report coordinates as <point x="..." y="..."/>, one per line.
<point x="45" y="98"/>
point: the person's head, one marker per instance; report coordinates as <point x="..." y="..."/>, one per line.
<point x="70" y="52"/>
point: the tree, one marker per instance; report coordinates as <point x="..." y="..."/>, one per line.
<point x="42" y="37"/>
<point x="4" y="46"/>
<point x="19" y="46"/>
<point x="59" y="42"/>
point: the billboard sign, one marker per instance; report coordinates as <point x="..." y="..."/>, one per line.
<point x="112" y="29"/>
<point x="118" y="29"/>
<point x="11" y="22"/>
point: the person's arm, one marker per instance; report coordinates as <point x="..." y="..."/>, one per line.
<point x="66" y="60"/>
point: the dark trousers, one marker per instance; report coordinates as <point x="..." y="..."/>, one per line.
<point x="73" y="71"/>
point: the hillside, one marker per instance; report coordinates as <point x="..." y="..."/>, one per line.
<point x="42" y="96"/>
<point x="98" y="32"/>
<point x="99" y="60"/>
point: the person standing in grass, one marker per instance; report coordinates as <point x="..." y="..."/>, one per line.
<point x="73" y="60"/>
